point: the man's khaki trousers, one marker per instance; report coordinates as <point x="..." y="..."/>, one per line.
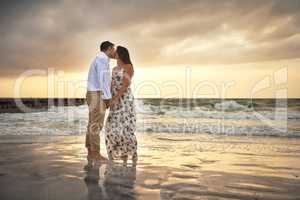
<point x="97" y="110"/>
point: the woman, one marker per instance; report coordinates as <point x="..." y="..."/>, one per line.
<point x="121" y="122"/>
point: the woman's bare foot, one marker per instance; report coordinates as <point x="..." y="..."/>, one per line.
<point x="134" y="159"/>
<point x="124" y="158"/>
<point x="110" y="158"/>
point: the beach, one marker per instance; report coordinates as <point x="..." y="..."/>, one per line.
<point x="188" y="149"/>
<point x="170" y="166"/>
<point x="198" y="106"/>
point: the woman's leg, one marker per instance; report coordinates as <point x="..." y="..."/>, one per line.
<point x="134" y="158"/>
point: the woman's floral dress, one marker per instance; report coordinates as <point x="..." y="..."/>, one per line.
<point x="121" y="122"/>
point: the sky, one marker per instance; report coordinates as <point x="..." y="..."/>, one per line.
<point x="180" y="48"/>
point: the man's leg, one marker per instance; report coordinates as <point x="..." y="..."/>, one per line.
<point x="100" y="121"/>
<point x="89" y="154"/>
<point x="95" y="124"/>
<point x="87" y="137"/>
<point x="92" y="100"/>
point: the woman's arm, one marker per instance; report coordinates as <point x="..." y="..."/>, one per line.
<point x="128" y="73"/>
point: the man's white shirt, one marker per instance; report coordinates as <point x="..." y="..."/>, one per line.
<point x="99" y="76"/>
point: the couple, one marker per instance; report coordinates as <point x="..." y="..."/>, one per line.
<point x="111" y="92"/>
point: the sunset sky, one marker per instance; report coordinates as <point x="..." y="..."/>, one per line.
<point x="180" y="48"/>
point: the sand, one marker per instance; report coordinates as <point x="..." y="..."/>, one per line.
<point x="171" y="166"/>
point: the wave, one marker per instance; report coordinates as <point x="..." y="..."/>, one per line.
<point x="227" y="117"/>
<point x="230" y="106"/>
<point x="223" y="110"/>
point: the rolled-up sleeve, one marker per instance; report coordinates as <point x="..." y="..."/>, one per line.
<point x="104" y="78"/>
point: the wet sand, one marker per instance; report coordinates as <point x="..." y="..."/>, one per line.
<point x="171" y="166"/>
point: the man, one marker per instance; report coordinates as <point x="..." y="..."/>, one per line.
<point x="98" y="96"/>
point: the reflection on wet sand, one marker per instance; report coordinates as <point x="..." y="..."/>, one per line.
<point x="116" y="182"/>
<point x="170" y="167"/>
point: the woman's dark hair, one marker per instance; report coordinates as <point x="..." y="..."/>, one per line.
<point x="123" y="55"/>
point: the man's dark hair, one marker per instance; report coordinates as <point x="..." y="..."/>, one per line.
<point x="105" y="45"/>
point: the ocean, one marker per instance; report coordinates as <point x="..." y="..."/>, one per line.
<point x="232" y="117"/>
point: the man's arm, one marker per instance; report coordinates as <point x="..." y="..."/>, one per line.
<point x="104" y="79"/>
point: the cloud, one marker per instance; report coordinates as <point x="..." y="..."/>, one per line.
<point x="65" y="34"/>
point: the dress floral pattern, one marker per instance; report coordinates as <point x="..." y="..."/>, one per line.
<point x="121" y="122"/>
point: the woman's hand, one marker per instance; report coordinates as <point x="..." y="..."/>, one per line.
<point x="114" y="101"/>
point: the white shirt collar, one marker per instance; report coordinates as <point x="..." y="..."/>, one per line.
<point x="103" y="55"/>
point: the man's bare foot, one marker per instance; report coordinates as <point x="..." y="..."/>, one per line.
<point x="99" y="157"/>
<point x="89" y="160"/>
<point x="88" y="167"/>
